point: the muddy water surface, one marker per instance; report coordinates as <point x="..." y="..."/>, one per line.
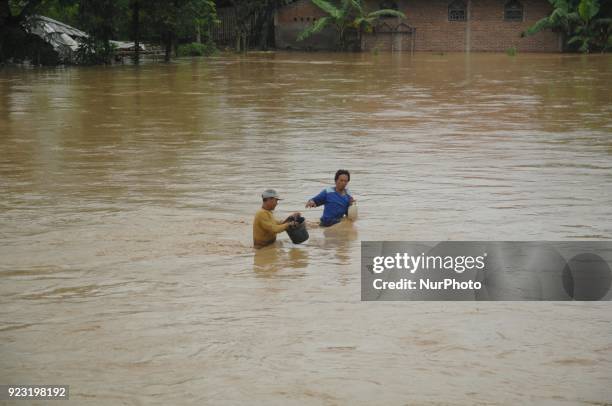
<point x="127" y="195"/>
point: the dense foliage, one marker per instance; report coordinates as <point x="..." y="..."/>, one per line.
<point x="166" y="22"/>
<point x="585" y="24"/>
<point x="349" y="19"/>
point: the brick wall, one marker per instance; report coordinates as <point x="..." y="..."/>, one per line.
<point x="387" y="42"/>
<point x="489" y="31"/>
<point x="433" y="30"/>
<point x="486" y="28"/>
<point x="292" y="19"/>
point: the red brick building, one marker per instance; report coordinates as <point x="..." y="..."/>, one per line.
<point x="431" y="25"/>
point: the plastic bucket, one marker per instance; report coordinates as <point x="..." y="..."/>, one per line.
<point x="298" y="234"/>
<point x="352" y="212"/>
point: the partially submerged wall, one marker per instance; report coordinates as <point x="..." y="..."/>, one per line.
<point x="484" y="28"/>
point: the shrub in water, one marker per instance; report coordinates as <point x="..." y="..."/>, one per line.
<point x="196" y="49"/>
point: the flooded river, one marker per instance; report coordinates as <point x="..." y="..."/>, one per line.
<point x="127" y="198"/>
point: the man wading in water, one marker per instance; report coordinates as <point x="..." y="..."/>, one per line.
<point x="265" y="226"/>
<point x="336" y="199"/>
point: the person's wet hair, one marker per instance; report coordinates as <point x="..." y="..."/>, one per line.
<point x="342" y="172"/>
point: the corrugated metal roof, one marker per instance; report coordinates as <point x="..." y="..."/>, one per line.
<point x="63" y="38"/>
<point x="48" y="25"/>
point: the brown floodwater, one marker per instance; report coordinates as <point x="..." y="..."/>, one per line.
<point x="127" y="195"/>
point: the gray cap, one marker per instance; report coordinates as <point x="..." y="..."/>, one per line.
<point x="270" y="193"/>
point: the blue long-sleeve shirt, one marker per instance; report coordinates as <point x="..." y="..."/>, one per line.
<point x="336" y="205"/>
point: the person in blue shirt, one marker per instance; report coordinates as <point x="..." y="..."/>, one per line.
<point x="336" y="199"/>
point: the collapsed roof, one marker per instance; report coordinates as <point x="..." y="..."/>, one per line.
<point x="65" y="39"/>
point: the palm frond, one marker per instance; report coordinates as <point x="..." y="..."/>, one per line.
<point x="574" y="17"/>
<point x="560" y="5"/>
<point x="558" y="14"/>
<point x="356" y="4"/>
<point x="540" y="25"/>
<point x="329" y="8"/>
<point x="386" y="13"/>
<point x="573" y="39"/>
<point x="314" y="28"/>
<point x="363" y="20"/>
<point x="588" y="9"/>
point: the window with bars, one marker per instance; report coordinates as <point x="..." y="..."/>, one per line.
<point x="457" y="11"/>
<point x="513" y="11"/>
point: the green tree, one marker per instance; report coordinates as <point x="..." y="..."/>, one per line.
<point x="13" y="14"/>
<point x="135" y="6"/>
<point x="195" y="17"/>
<point x="175" y="17"/>
<point x="347" y="17"/>
<point x="244" y="12"/>
<point x="100" y="19"/>
<point x="66" y="11"/>
<point x="254" y="21"/>
<point x="15" y="42"/>
<point x="165" y="21"/>
<point x="583" y="24"/>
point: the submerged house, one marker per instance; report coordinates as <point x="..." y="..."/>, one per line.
<point x="431" y="25"/>
<point x="64" y="39"/>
